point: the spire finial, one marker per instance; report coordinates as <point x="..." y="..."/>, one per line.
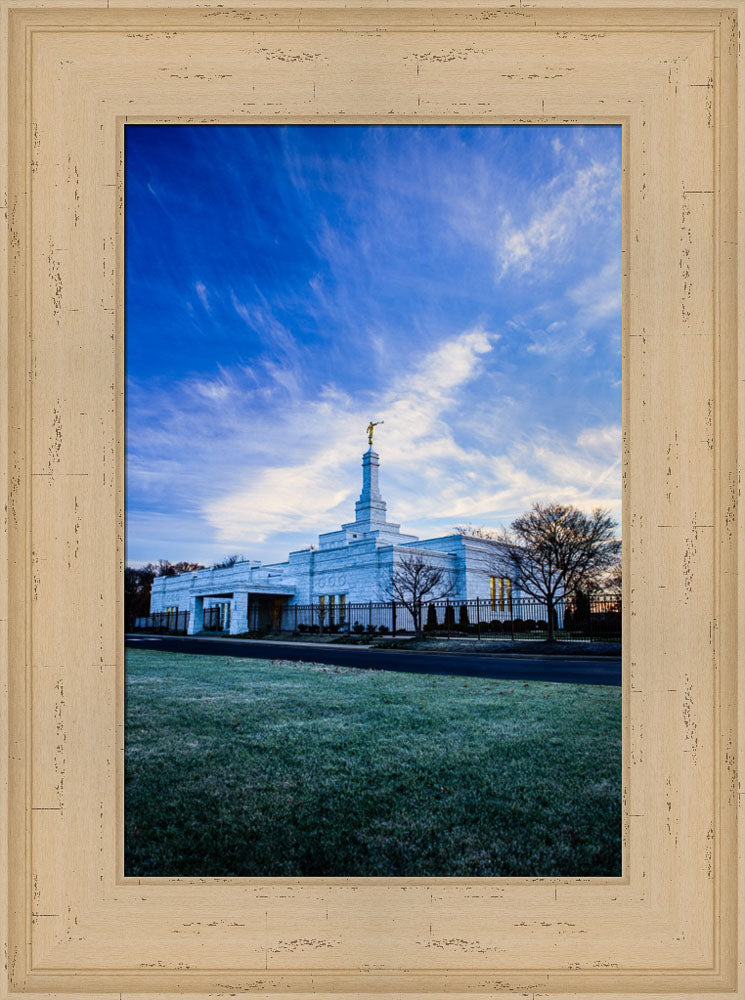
<point x="371" y="428"/>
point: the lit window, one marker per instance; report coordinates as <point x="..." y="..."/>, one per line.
<point x="500" y="588"/>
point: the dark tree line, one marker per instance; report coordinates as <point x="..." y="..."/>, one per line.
<point x="138" y="582"/>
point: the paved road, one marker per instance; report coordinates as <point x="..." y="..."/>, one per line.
<point x="573" y="670"/>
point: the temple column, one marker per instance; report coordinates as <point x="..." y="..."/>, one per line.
<point x="239" y="613"/>
<point x="196" y="615"/>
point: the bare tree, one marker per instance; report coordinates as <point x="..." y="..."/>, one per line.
<point x="227" y="562"/>
<point x="474" y="531"/>
<point x="164" y="567"/>
<point x="556" y="549"/>
<point x="413" y="581"/>
<point x="612" y="581"/>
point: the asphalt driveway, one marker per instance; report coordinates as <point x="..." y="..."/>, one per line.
<point x="503" y="666"/>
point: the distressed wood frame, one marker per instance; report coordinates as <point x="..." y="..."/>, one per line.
<point x="669" y="926"/>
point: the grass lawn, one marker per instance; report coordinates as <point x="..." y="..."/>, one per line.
<point x="265" y="767"/>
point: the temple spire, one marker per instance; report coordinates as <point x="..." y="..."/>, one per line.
<point x="370" y="508"/>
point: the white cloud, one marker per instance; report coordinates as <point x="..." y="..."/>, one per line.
<point x="201" y="289"/>
<point x="264" y="479"/>
<point x="429" y="480"/>
<point x="558" y="213"/>
<point x="599" y="296"/>
<point x="321" y="481"/>
<point x="607" y="439"/>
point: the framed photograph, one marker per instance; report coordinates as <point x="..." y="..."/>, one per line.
<point x="438" y="699"/>
<point x="534" y="215"/>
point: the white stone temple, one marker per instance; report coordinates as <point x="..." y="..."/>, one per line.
<point x="351" y="565"/>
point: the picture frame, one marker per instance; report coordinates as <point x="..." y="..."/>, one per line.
<point x="73" y="75"/>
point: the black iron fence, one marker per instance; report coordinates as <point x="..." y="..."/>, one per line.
<point x="518" y="618"/>
<point x="161" y="621"/>
<point x="211" y="620"/>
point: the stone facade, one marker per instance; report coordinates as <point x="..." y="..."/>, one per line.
<point x="353" y="564"/>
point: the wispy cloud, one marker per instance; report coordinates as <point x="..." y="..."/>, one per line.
<point x="201" y="289"/>
<point x="325" y="456"/>
<point x="559" y="209"/>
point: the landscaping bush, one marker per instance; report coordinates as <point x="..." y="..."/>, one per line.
<point x="463" y="621"/>
<point x="359" y="629"/>
<point x="541" y="625"/>
<point x="383" y="629"/>
<point x="495" y="625"/>
<point x="529" y="625"/>
<point x="579" y="612"/>
<point x="449" y="617"/>
<point x="517" y="624"/>
<point x="431" y="619"/>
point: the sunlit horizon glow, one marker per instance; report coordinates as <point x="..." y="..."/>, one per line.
<point x="286" y="284"/>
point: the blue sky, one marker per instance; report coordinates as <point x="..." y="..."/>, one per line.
<point x="286" y="284"/>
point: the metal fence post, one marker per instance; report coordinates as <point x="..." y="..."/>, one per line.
<point x="478" y="619"/>
<point x="393" y="618"/>
<point x="512" y="623"/>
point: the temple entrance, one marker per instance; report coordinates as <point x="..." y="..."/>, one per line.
<point x="277" y="606"/>
<point x="265" y="612"/>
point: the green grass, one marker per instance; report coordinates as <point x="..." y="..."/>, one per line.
<point x="256" y="767"/>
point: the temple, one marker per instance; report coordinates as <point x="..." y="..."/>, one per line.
<point x="348" y="566"/>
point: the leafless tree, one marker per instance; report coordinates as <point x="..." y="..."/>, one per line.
<point x="556" y="549"/>
<point x="475" y="531"/>
<point x="612" y="581"/>
<point x="166" y="568"/>
<point x="413" y="581"/>
<point x="227" y="562"/>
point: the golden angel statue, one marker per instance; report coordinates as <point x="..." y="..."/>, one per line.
<point x="370" y="429"/>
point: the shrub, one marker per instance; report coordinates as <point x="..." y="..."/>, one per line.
<point x="529" y="625"/>
<point x="541" y="625"/>
<point x="449" y="617"/>
<point x="580" y="611"/>
<point x="463" y="617"/>
<point x="359" y="629"/>
<point x="302" y="627"/>
<point x="431" y="619"/>
<point x="517" y="624"/>
<point x="383" y="629"/>
<point x="495" y="625"/>
<point x="370" y="627"/>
